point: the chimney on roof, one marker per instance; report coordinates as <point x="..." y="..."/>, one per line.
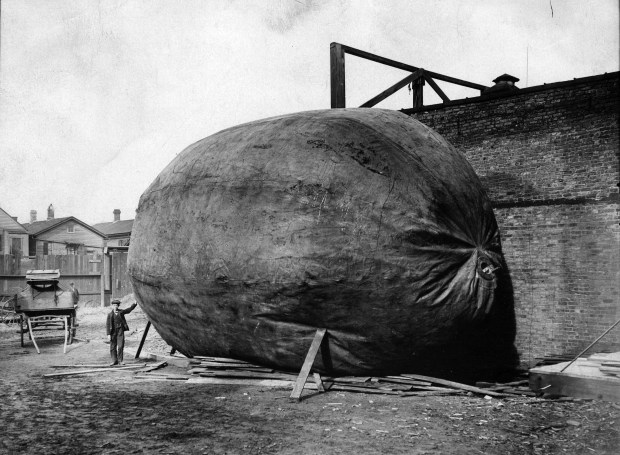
<point x="33" y="216"/>
<point x="14" y="217"/>
<point x="117" y="215"/>
<point x="503" y="83"/>
<point x="50" y="212"/>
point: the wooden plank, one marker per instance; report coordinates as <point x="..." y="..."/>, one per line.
<point x="605" y="357"/>
<point x="94" y="370"/>
<point x="365" y="385"/>
<point x="348" y="379"/>
<point x="146" y="331"/>
<point x="520" y="391"/>
<point x="228" y="364"/>
<point x="318" y="382"/>
<point x="403" y="66"/>
<point x="161" y="378"/>
<point x="403" y="380"/>
<point x="358" y="389"/>
<point x="394" y="88"/>
<point x="249" y="382"/>
<point x="224" y="366"/>
<point x="337" y="75"/>
<point x="590" y="345"/>
<point x="430" y="393"/>
<point x="455" y="385"/>
<point x="155" y="366"/>
<point x="606" y="388"/>
<point x="393" y="386"/>
<point x="245" y="374"/>
<point x="220" y="359"/>
<point x="417" y="87"/>
<point x="140" y="374"/>
<point x="307" y="366"/>
<point x="609" y="370"/>
<point x="436" y="87"/>
<point x="436" y="388"/>
<point x="176" y="361"/>
<point x="495" y="385"/>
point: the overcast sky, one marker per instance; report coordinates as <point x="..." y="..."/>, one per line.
<point x="98" y="96"/>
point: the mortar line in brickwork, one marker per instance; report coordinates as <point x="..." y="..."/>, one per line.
<point x="529" y="243"/>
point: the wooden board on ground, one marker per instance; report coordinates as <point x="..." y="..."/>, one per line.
<point x="170" y="360"/>
<point x="355" y="388"/>
<point x="455" y="385"/>
<point x="95" y="370"/>
<point x="221" y="360"/>
<point x="162" y="377"/>
<point x="244" y="374"/>
<point x="153" y="367"/>
<point x="227" y="366"/>
<point x="250" y="382"/>
<point x="216" y="370"/>
<point x="402" y="380"/>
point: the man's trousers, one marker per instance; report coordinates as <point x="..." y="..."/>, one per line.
<point x="117" y="344"/>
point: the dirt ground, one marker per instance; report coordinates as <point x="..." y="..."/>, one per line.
<point x="111" y="412"/>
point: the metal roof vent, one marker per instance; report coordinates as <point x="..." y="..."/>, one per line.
<point x="503" y="83"/>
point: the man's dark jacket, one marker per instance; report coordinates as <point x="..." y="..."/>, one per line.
<point x="109" y="323"/>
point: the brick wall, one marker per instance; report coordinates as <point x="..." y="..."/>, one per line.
<point x="549" y="159"/>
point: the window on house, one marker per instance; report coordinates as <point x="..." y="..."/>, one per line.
<point x="1" y="243"/>
<point x="73" y="248"/>
<point x="70" y="228"/>
<point x="46" y="248"/>
<point x="16" y="246"/>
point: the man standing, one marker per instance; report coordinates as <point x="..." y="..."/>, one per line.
<point x="116" y="326"/>
<point x="75" y="295"/>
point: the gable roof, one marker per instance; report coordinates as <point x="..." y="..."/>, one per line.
<point x="115" y="228"/>
<point x="7" y="223"/>
<point x="39" y="227"/>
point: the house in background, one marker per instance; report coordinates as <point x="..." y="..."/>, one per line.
<point x="60" y="236"/>
<point x="13" y="236"/>
<point x="117" y="232"/>
<point x="118" y="235"/>
<point x="95" y="257"/>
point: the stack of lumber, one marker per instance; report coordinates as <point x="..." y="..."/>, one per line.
<point x="587" y="378"/>
<point x="217" y="370"/>
<point x="608" y="364"/>
<point x="520" y="387"/>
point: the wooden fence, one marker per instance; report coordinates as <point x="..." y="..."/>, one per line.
<point x="119" y="280"/>
<point x="85" y="271"/>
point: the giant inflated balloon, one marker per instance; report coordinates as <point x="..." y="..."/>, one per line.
<point x="364" y="222"/>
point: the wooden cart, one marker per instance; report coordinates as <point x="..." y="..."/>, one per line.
<point x="44" y="305"/>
